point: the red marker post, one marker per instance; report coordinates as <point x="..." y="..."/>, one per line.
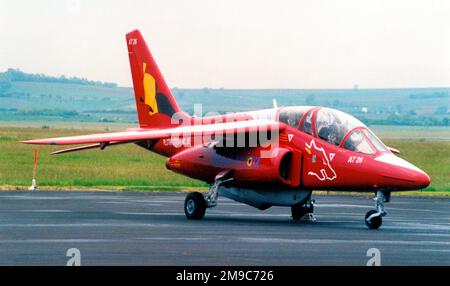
<point x="33" y="181"/>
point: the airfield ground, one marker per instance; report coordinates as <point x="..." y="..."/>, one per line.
<point x="150" y="228"/>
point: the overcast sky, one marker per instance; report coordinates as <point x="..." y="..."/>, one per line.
<point x="234" y="43"/>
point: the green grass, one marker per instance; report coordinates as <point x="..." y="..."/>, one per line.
<point x="427" y="133"/>
<point x="124" y="166"/>
<point x="431" y="156"/>
<point x="128" y="166"/>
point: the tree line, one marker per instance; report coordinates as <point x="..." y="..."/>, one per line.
<point x="16" y="75"/>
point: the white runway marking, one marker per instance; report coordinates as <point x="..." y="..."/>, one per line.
<point x="432" y="234"/>
<point x="70" y="198"/>
<point x="46" y="211"/>
<point x="115" y="202"/>
<point x="338" y="241"/>
<point x="33" y="198"/>
<point x="155" y="201"/>
<point x="433" y="250"/>
<point x="174" y="238"/>
<point x="341" y="206"/>
<point x="416" y="210"/>
<point x="143" y="203"/>
<point x="418" y="226"/>
<point x="150" y="214"/>
<point x="80" y="240"/>
<point x="225" y="213"/>
<point x="86" y="225"/>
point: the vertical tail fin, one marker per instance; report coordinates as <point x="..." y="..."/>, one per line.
<point x="154" y="101"/>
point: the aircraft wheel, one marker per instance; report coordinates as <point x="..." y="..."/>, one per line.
<point x="194" y="206"/>
<point x="375" y="222"/>
<point x="297" y="212"/>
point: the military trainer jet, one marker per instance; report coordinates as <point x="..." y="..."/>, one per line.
<point x="263" y="158"/>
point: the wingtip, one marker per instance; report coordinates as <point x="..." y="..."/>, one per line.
<point x="37" y="142"/>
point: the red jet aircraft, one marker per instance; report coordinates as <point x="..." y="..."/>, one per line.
<point x="264" y="158"/>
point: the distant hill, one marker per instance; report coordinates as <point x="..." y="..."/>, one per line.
<point x="16" y="75"/>
<point x="36" y="97"/>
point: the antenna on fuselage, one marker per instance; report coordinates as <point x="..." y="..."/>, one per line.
<point x="275" y="105"/>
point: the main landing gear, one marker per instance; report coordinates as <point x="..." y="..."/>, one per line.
<point x="196" y="203"/>
<point x="374" y="217"/>
<point x="194" y="206"/>
<point x="304" y="211"/>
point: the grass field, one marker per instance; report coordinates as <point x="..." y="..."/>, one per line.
<point x="131" y="167"/>
<point x="126" y="166"/>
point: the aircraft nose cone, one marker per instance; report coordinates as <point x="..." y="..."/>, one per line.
<point x="403" y="175"/>
<point x="418" y="178"/>
<point x="422" y="180"/>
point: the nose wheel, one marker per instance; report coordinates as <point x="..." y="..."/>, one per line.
<point x="374" y="218"/>
<point x="196" y="203"/>
<point x="195" y="206"/>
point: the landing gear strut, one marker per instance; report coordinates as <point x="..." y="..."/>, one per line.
<point x="304" y="211"/>
<point x="374" y="217"/>
<point x="196" y="203"/>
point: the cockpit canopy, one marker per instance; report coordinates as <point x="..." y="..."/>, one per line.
<point x="332" y="126"/>
<point x="292" y="115"/>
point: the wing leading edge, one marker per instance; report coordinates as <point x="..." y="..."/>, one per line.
<point x="145" y="134"/>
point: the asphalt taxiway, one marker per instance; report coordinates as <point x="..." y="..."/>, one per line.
<point x="150" y="228"/>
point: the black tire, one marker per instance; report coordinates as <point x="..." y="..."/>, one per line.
<point x="375" y="222"/>
<point x="195" y="206"/>
<point x="298" y="212"/>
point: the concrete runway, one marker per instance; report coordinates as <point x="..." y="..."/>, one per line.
<point x="144" y="228"/>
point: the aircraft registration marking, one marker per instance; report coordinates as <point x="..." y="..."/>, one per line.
<point x="132" y="42"/>
<point x="355" y="160"/>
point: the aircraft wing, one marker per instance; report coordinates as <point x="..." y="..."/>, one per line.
<point x="145" y="134"/>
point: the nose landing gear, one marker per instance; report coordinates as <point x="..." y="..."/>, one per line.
<point x="374" y="218"/>
<point x="196" y="203"/>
